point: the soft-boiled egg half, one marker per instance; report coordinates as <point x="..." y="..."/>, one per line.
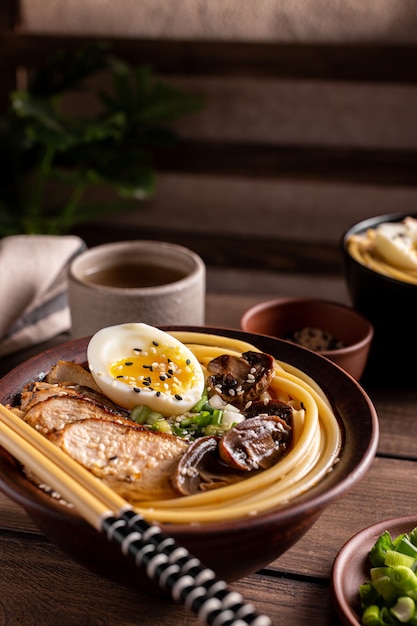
<point x="136" y="364"/>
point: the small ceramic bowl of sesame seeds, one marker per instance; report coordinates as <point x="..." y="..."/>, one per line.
<point x="332" y="329"/>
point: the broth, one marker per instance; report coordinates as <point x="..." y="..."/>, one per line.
<point x="134" y="276"/>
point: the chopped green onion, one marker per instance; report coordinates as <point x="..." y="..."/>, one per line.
<point x="216" y="419"/>
<point x="389" y="598"/>
<point x="162" y="426"/>
<point x="404" y="609"/>
<point x="368" y="594"/>
<point x="370" y="616"/>
<point x="404" y="579"/>
<point x="140" y="413"/>
<point x="384" y="586"/>
<point x="154" y="417"/>
<point x="396" y="542"/>
<point x="204" y="418"/>
<point x="394" y="558"/>
<point x="213" y="430"/>
<point x="185" y="423"/>
<point x="387" y="619"/>
<point x="200" y="404"/>
<point x="379" y="549"/>
<point x="405" y="546"/>
<point x="378" y="572"/>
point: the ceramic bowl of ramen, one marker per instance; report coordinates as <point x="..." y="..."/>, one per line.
<point x="252" y="523"/>
<point x="330" y="328"/>
<point x="380" y="265"/>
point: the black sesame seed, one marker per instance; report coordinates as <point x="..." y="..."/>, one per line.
<point x="128" y="362"/>
<point x="162" y="377"/>
<point x="188" y="361"/>
<point x="136" y="389"/>
<point x="170" y="372"/>
<point x="146" y="383"/>
<point x="158" y="393"/>
<point x="178" y="397"/>
<point x="155" y="343"/>
<point x="120" y="376"/>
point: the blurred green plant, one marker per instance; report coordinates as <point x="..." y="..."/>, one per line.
<point x="51" y="160"/>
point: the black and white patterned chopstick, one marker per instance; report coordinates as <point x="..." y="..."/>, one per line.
<point x="179" y="573"/>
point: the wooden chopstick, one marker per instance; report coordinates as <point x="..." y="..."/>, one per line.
<point x="175" y="570"/>
<point x="72" y="476"/>
<point x="43" y="468"/>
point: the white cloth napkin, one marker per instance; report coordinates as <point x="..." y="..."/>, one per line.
<point x="33" y="282"/>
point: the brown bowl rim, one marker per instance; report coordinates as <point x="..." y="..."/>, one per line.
<point x="339" y="306"/>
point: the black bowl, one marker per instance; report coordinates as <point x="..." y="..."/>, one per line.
<point x="233" y="549"/>
<point x="390" y="305"/>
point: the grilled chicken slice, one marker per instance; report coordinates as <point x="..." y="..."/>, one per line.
<point x="134" y="461"/>
<point x="40" y="391"/>
<point x="67" y="371"/>
<point x="57" y="411"/>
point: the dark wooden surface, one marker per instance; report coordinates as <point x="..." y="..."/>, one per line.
<point x="41" y="586"/>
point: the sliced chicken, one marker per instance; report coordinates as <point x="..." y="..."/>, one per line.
<point x="57" y="411"/>
<point x="134" y="461"/>
<point x="67" y="371"/>
<point x="40" y="391"/>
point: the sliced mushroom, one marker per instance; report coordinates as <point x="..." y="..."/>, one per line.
<point x="200" y="468"/>
<point x="243" y="379"/>
<point x="273" y="407"/>
<point x="257" y="443"/>
<point x="251" y="446"/>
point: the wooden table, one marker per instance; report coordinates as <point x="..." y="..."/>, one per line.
<point x="39" y="585"/>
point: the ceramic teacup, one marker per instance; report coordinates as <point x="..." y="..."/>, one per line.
<point x="154" y="282"/>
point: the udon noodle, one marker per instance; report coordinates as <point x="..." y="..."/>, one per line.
<point x="317" y="441"/>
<point x="362" y="248"/>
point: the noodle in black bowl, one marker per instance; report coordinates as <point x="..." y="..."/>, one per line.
<point x="388" y="299"/>
<point x="237" y="532"/>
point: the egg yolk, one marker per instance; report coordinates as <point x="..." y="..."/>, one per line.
<point x="164" y="371"/>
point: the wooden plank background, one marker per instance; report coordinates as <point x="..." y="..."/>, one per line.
<point x="296" y="142"/>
